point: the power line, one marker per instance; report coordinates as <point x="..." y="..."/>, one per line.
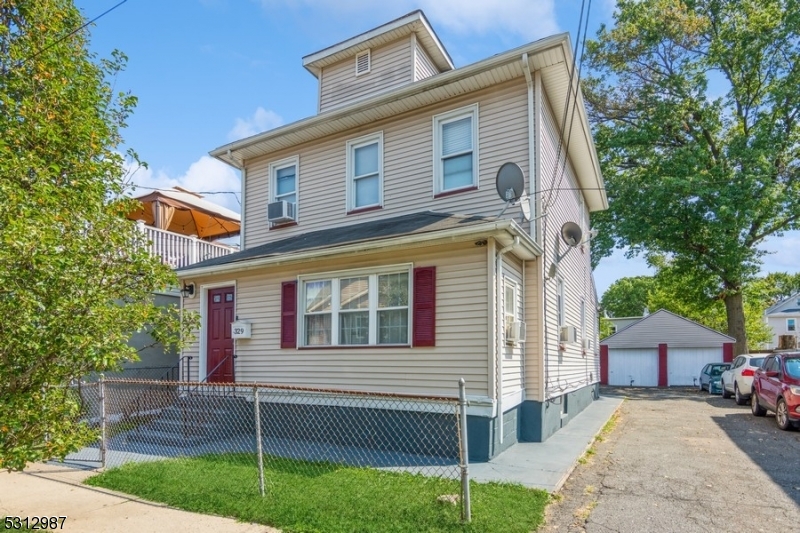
<point x="73" y="32"/>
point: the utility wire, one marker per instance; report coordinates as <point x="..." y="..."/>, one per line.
<point x="73" y="32"/>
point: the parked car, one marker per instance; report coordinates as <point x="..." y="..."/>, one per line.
<point x="711" y="377"/>
<point x="738" y="380"/>
<point x="776" y="387"/>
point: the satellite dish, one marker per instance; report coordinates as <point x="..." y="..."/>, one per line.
<point x="510" y="182"/>
<point x="571" y="233"/>
<point x="525" y="207"/>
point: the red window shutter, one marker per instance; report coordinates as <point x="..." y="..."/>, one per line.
<point x="289" y="314"/>
<point x="424" y="306"/>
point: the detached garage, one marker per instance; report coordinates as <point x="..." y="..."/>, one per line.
<point x="660" y="350"/>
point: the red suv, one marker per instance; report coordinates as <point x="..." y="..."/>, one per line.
<point x="776" y="387"/>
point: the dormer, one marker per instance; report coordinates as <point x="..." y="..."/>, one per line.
<point x="399" y="53"/>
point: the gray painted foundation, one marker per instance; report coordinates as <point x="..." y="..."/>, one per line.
<point x="540" y="420"/>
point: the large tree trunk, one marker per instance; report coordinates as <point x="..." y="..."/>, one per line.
<point x="734" y="306"/>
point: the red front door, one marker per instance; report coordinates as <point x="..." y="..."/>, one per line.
<point x="219" y="360"/>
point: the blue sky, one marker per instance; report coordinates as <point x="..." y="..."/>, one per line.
<point x="208" y="72"/>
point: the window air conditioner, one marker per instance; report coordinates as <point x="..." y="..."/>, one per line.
<point x="586" y="344"/>
<point x="280" y="211"/>
<point x="515" y="332"/>
<point x="568" y="334"/>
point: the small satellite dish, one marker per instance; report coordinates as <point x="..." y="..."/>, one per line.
<point x="510" y="182"/>
<point x="571" y="233"/>
<point x="525" y="207"/>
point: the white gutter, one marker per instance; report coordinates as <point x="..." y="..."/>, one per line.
<point x="499" y="317"/>
<point x="534" y="165"/>
<point x="507" y="225"/>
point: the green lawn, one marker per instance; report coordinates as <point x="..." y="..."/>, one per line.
<point x="305" y="497"/>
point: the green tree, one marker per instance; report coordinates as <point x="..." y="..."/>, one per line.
<point x="627" y="296"/>
<point x="695" y="109"/>
<point x="75" y="280"/>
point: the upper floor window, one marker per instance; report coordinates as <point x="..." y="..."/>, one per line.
<point x="365" y="172"/>
<point x="791" y="324"/>
<point x="283" y="183"/>
<point x="455" y="141"/>
<point x="560" y="318"/>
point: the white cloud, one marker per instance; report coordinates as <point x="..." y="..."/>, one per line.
<point x="206" y="175"/>
<point x="531" y="19"/>
<point x="261" y="120"/>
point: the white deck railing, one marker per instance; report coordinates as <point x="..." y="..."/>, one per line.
<point x="179" y="250"/>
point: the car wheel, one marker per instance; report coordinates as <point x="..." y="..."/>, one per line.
<point x="755" y="406"/>
<point x="740" y="399"/>
<point x="782" y="415"/>
<point x="725" y="393"/>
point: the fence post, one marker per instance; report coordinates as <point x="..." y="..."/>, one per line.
<point x="466" y="511"/>
<point x="258" y="441"/>
<point x="101" y="386"/>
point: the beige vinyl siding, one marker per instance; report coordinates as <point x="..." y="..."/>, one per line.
<point x="423" y="66"/>
<point x="461" y="329"/>
<point x="407" y="171"/>
<point x="569" y="369"/>
<point x="534" y="362"/>
<point x="512" y="355"/>
<point x="390" y="67"/>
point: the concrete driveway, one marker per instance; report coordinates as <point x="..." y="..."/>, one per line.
<point x="679" y="460"/>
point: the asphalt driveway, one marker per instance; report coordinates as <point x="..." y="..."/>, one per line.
<point x="679" y="460"/>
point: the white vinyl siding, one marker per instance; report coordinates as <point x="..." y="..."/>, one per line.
<point x="365" y="172"/>
<point x="423" y="66"/>
<point x="390" y="67"/>
<point x="461" y="329"/>
<point x="568" y="369"/>
<point x="407" y="169"/>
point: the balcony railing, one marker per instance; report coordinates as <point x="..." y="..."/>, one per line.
<point x="180" y="250"/>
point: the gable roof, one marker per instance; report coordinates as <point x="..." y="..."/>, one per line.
<point x="551" y="57"/>
<point x="414" y="22"/>
<point x="376" y="234"/>
<point x="665" y="327"/>
<point x="785" y="305"/>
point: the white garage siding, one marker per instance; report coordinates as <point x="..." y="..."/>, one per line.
<point x="639" y="365"/>
<point x="684" y="364"/>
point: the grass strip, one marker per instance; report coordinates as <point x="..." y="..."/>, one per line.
<point x="310" y="497"/>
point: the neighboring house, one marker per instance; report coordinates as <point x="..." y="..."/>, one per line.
<point x="373" y="256"/>
<point x="182" y="228"/>
<point x="661" y="350"/>
<point x="783" y="318"/>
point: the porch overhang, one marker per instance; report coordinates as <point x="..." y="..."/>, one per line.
<point x="431" y="229"/>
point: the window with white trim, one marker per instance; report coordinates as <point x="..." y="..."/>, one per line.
<point x="283" y="181"/>
<point x="365" y="172"/>
<point x="357" y="308"/>
<point x="510" y="303"/>
<point x="560" y="302"/>
<point x="583" y="321"/>
<point x="455" y="153"/>
<point x="791" y="324"/>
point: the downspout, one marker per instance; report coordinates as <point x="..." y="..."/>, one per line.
<point x="499" y="317"/>
<point x="534" y="165"/>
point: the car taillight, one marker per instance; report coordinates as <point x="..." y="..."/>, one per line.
<point x="747" y="372"/>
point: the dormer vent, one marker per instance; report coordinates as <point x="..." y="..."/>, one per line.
<point x="362" y="63"/>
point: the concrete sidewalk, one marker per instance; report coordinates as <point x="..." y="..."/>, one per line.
<point x="57" y="489"/>
<point x="547" y="465"/>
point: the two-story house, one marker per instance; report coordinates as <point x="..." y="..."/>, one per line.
<point x="783" y="319"/>
<point x="374" y="256"/>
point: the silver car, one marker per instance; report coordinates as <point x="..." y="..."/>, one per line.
<point x="738" y="381"/>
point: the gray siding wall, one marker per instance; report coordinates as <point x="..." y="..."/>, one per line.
<point x="391" y="67"/>
<point x="573" y="367"/>
<point x="407" y="170"/>
<point x="423" y="66"/>
<point x="662" y="327"/>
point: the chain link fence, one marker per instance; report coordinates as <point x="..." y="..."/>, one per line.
<point x="274" y="428"/>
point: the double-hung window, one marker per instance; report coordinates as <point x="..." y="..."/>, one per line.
<point x="283" y="180"/>
<point x="560" y="318"/>
<point x="365" y="172"/>
<point x="791" y="324"/>
<point x="455" y="153"/>
<point x="357" y="308"/>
